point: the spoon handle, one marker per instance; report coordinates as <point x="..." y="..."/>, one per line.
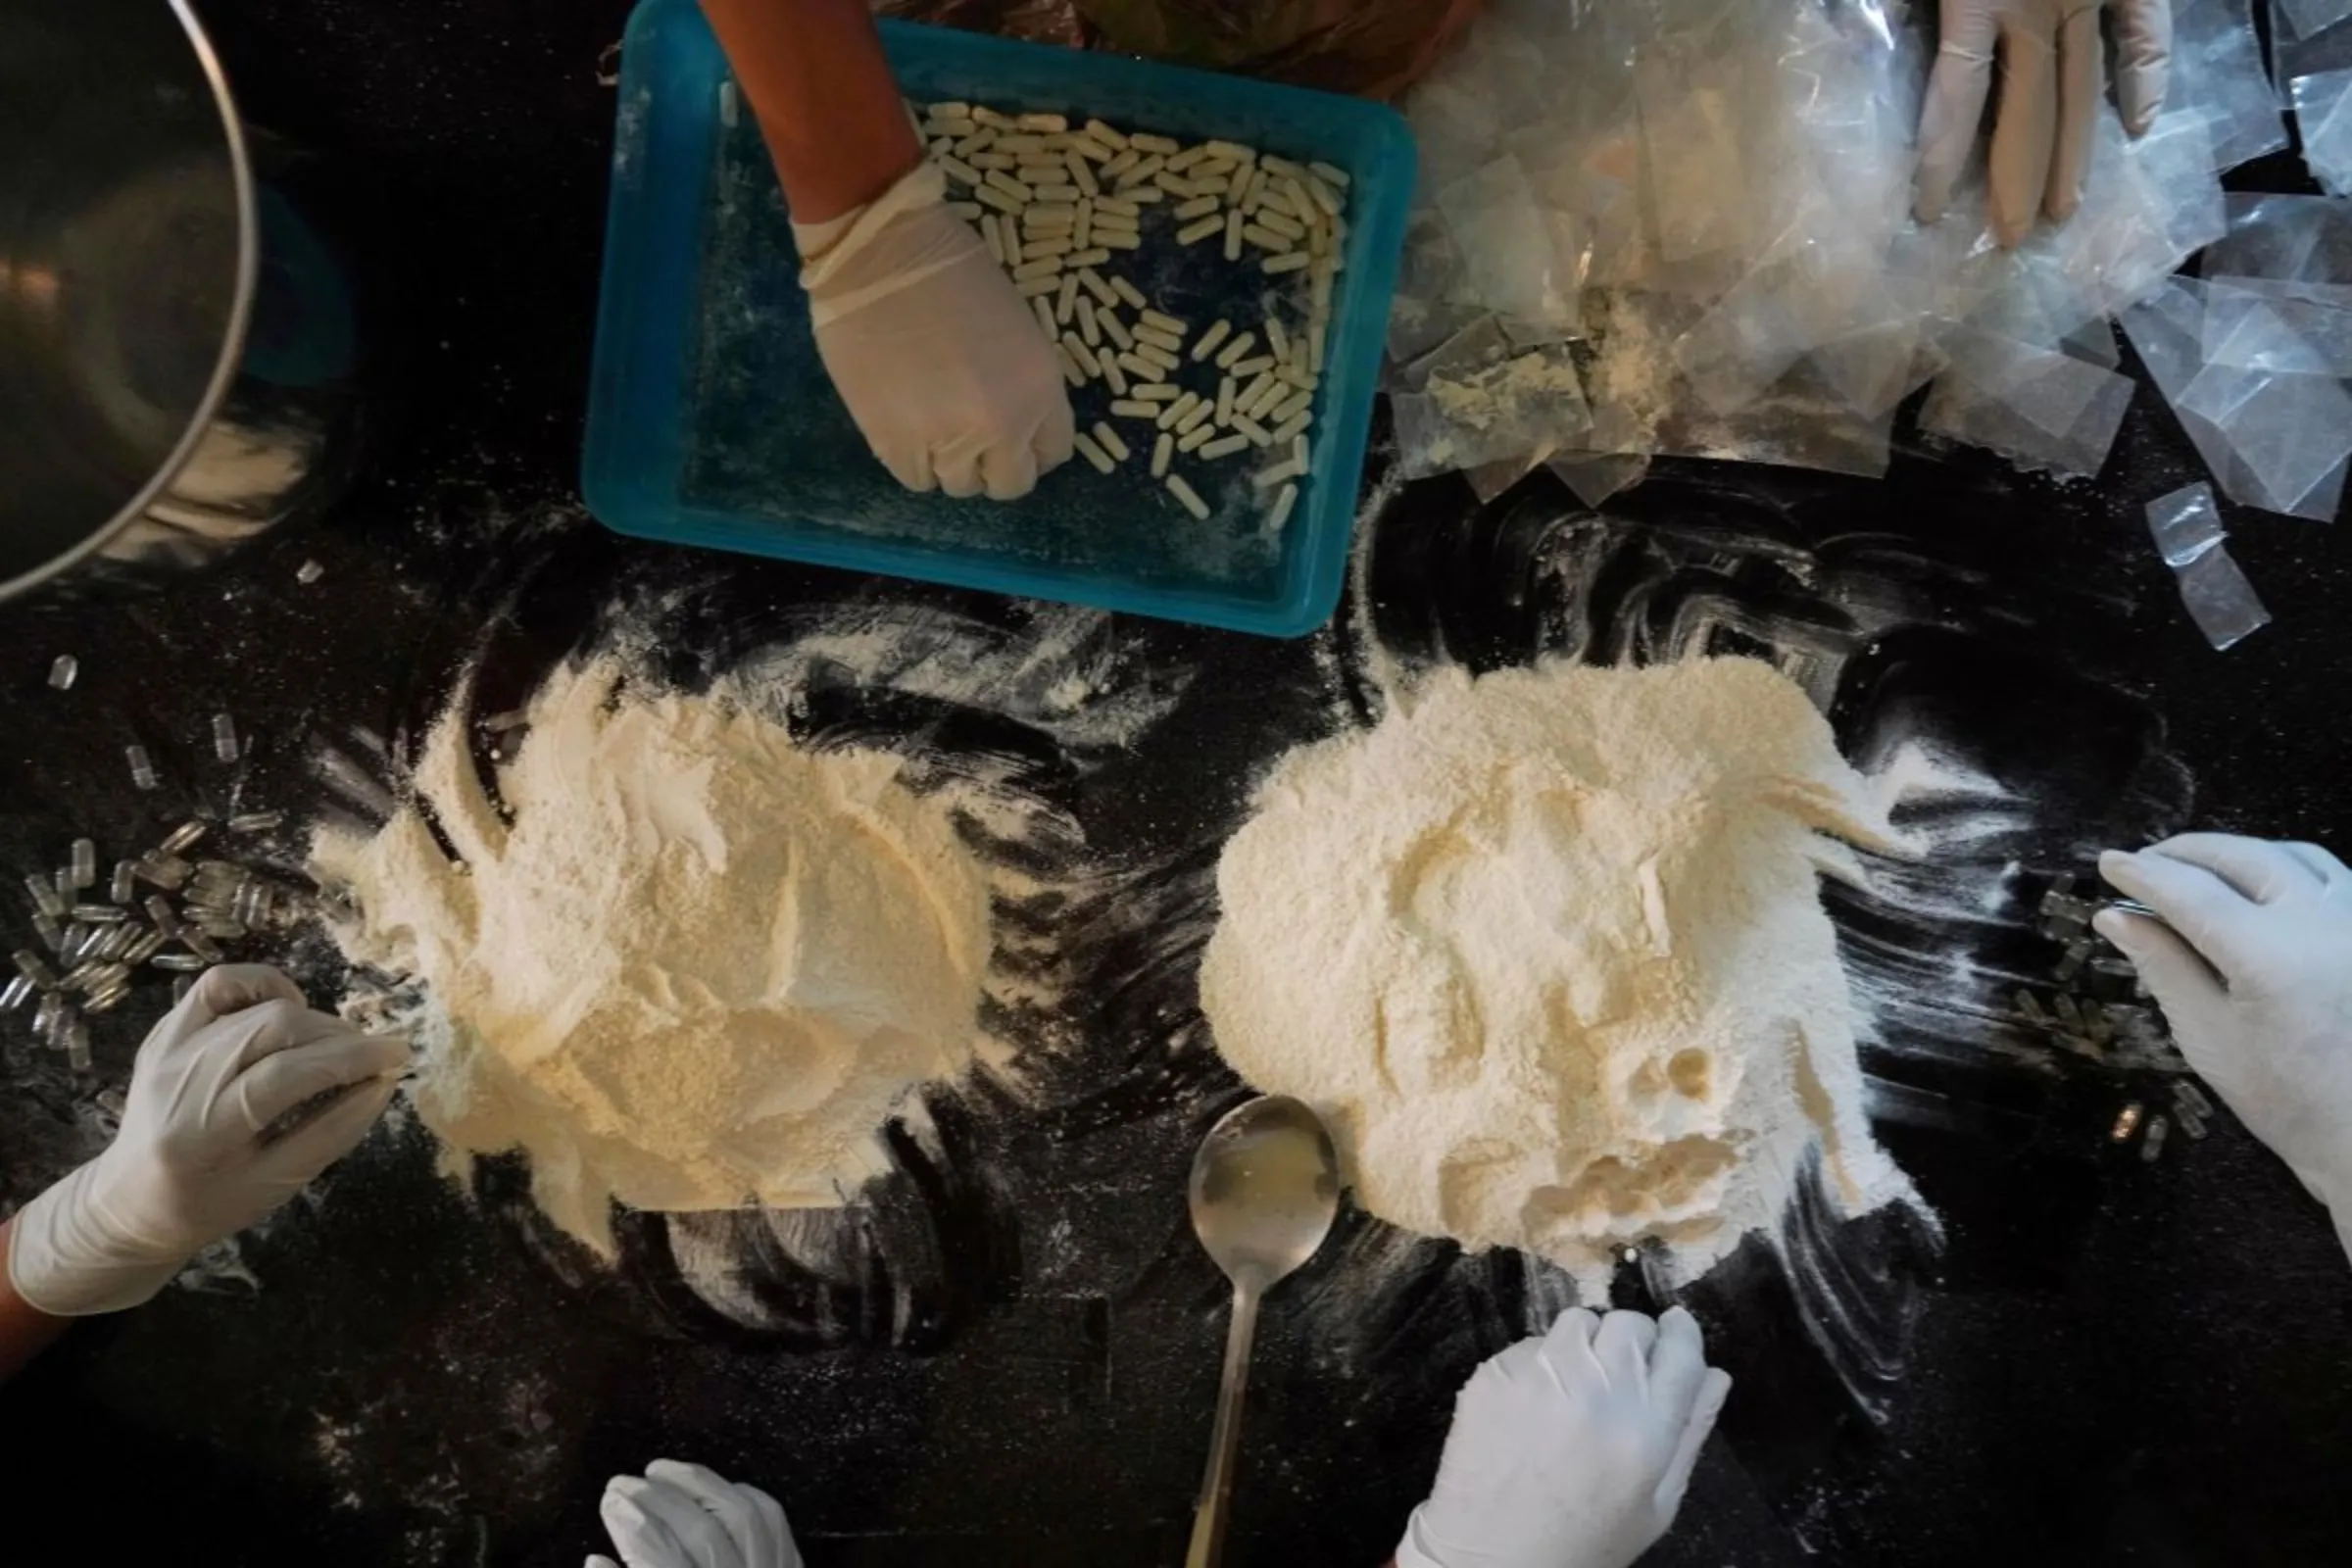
<point x="1216" y="1487"/>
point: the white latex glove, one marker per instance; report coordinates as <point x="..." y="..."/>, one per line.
<point x="684" y="1516"/>
<point x="940" y="361"/>
<point x="2053" y="76"/>
<point x="2252" y="965"/>
<point x="189" y="1165"/>
<point x="1572" y="1450"/>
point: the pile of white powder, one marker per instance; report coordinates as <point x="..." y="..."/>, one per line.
<point x="1547" y="949"/>
<point x="690" y="965"/>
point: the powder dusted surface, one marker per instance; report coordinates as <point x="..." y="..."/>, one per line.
<point x="691" y="966"/>
<point x="1547" y="949"/>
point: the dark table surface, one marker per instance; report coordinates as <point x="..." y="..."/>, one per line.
<point x="1008" y="1355"/>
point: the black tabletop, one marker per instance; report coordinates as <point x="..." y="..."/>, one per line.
<point x="1007" y="1355"/>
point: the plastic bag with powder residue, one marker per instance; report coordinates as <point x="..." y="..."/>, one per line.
<point x="1711" y="200"/>
<point x="1372" y="48"/>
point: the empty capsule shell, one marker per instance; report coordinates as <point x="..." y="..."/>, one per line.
<point x="45" y="898"/>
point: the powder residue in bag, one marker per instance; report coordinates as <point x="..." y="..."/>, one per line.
<point x="1547" y="949"/>
<point x="688" y="965"/>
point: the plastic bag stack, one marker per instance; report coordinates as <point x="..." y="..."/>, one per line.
<point x="1683" y="227"/>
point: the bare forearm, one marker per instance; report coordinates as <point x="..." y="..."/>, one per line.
<point x="827" y="104"/>
<point x="25" y="1332"/>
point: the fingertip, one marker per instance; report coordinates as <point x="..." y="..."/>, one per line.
<point x="2140" y="939"/>
<point x="1011" y="473"/>
<point x="911" y="469"/>
<point x="1639" y="1329"/>
<point x="379" y="1056"/>
<point x="1057" y="442"/>
<point x="1714" y="1392"/>
<point x="2321" y="862"/>
<point x="1510" y="1363"/>
<point x="1577" y="1324"/>
<point x="1932" y="186"/>
<point x="2142" y="100"/>
<point x="1714" y="1386"/>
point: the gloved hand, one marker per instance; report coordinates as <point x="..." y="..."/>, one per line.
<point x="1571" y="1450"/>
<point x="191" y="1165"/>
<point x="2252" y="965"/>
<point x="2051" y="56"/>
<point x="941" y="362"/>
<point x="684" y="1516"/>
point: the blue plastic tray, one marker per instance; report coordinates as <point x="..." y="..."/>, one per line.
<point x="712" y="422"/>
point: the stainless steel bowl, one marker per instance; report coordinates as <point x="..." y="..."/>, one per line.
<point x="139" y="428"/>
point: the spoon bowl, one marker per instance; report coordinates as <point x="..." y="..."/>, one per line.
<point x="1265" y="1188"/>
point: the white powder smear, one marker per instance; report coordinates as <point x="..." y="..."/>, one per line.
<point x="1547" y="949"/>
<point x="693" y="965"/>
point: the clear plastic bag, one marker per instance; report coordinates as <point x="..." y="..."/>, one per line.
<point x="1518" y="258"/>
<point x="2219" y="600"/>
<point x="2271" y="440"/>
<point x="2304" y="239"/>
<point x="2039" y="409"/>
<point x="2308" y="19"/>
<point x="2185" y="524"/>
<point x="2218" y="71"/>
<point x="2252" y="328"/>
<point x="1714" y="195"/>
<point x="1480" y="400"/>
<point x="2322" y="114"/>
<point x="2186" y="527"/>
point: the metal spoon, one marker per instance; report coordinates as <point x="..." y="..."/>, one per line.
<point x="1265" y="1187"/>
